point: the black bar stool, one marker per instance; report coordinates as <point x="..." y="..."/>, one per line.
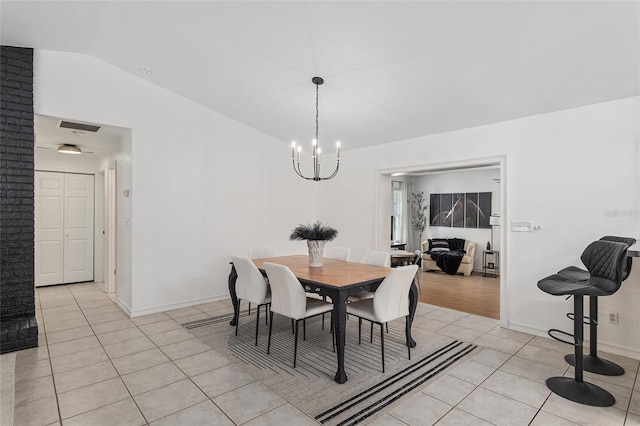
<point x="592" y="362"/>
<point x="605" y="261"/>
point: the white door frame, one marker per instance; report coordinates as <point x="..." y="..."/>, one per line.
<point x="111" y="228"/>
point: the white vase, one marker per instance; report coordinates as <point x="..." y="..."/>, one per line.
<point x="316" y="249"/>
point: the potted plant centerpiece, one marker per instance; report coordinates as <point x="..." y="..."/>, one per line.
<point x="315" y="234"/>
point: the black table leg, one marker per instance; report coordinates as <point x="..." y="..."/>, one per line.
<point x="339" y="331"/>
<point x="413" y="303"/>
<point x="233" y="276"/>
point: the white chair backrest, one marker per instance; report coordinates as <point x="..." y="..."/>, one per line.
<point x="251" y="284"/>
<point x="391" y="299"/>
<point x="376" y="258"/>
<point x="261" y="252"/>
<point x="287" y="295"/>
<point x="338" y="253"/>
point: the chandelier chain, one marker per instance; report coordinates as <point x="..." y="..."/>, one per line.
<point x="317" y="96"/>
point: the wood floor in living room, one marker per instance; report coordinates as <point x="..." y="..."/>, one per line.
<point x="474" y="294"/>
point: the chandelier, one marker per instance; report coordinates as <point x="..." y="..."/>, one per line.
<point x="316" y="151"/>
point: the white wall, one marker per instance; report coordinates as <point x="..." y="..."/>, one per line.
<point x="460" y="182"/>
<point x="203" y="187"/>
<point x="567" y="171"/>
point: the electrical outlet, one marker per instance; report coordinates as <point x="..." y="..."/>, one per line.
<point x="613" y="318"/>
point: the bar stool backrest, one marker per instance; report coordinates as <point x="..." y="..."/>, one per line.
<point x="605" y="261"/>
<point x="629" y="242"/>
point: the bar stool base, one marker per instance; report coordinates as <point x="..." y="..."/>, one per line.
<point x="597" y="365"/>
<point x="580" y="392"/>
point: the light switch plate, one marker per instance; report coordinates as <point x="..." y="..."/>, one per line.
<point x="521" y="226"/>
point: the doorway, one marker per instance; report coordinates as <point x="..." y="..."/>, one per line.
<point x="457" y="169"/>
<point x="64" y="228"/>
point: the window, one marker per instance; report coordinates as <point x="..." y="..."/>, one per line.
<point x="396" y="217"/>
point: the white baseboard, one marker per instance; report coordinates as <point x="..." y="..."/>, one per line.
<point x="123" y="306"/>
<point x="604" y="347"/>
<point x="186" y="304"/>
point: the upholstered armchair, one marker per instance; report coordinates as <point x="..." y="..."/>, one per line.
<point x="466" y="266"/>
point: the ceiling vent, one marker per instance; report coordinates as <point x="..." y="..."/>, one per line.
<point x="78" y="126"/>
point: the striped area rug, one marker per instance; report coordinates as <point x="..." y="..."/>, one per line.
<point x="310" y="387"/>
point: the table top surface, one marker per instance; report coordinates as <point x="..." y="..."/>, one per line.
<point x="333" y="273"/>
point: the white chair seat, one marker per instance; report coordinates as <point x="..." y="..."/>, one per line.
<point x="362" y="308"/>
<point x="361" y="296"/>
<point x="316" y="307"/>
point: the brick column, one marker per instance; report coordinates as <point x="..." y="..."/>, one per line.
<point x="18" y="326"/>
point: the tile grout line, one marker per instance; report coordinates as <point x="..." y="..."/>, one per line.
<point x="53" y="377"/>
<point x="195" y="384"/>
<point x="256" y="381"/>
<point x="114" y="367"/>
<point x="633" y="390"/>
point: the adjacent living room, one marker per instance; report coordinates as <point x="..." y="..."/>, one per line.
<point x="460" y="244"/>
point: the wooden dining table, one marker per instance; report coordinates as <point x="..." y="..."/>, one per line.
<point x="336" y="279"/>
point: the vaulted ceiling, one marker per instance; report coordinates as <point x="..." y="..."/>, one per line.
<point x="392" y="70"/>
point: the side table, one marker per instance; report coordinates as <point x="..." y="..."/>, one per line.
<point x="490" y="263"/>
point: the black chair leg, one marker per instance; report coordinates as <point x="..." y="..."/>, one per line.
<point x="382" y="344"/>
<point x="295" y="345"/>
<point x="257" y="323"/>
<point x="371" y="334"/>
<point x="249" y="308"/>
<point x="408" y="345"/>
<point x="359" y="330"/>
<point x="304" y="329"/>
<point x="238" y="320"/>
<point x="592" y="362"/>
<point x="292" y="328"/>
<point x="576" y="389"/>
<point x="270" y="327"/>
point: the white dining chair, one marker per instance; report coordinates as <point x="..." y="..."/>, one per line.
<point x="390" y="302"/>
<point x="338" y="253"/>
<point x="261" y="252"/>
<point x="289" y="299"/>
<point x="251" y="286"/>
<point x="375" y="258"/>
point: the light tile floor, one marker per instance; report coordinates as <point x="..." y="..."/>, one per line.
<point x="96" y="366"/>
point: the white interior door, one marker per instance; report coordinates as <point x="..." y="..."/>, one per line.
<point x="79" y="233"/>
<point x="49" y="228"/>
<point x="64" y="207"/>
